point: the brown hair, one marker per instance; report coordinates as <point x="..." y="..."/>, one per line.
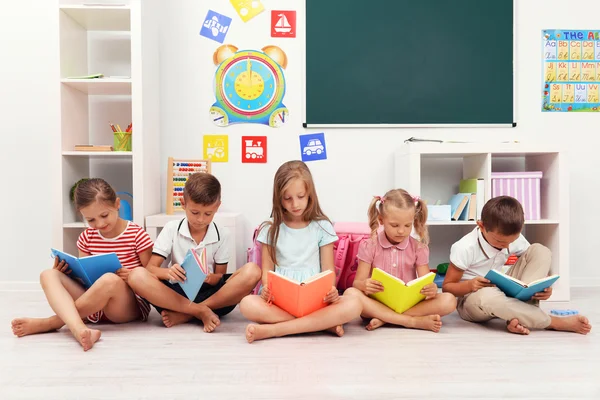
<point x="93" y="190"/>
<point x="401" y="199"/>
<point x="202" y="188"/>
<point x="286" y="173"/>
<point x="503" y="214"/>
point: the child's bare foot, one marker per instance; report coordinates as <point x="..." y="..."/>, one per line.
<point x="575" y="323"/>
<point x="172" y="318"/>
<point x="428" y="322"/>
<point x="374" y="324"/>
<point x="336" y="330"/>
<point x="515" y="327"/>
<point x="30" y="326"/>
<point x="257" y="332"/>
<point x="87" y="337"/>
<point x="209" y="318"/>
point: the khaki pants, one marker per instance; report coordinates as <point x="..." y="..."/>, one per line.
<point x="490" y="302"/>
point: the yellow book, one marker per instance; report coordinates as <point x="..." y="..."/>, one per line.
<point x="397" y="295"/>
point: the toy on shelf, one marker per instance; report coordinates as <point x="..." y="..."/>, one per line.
<point x="440" y="274"/>
<point x="125" y="208"/>
<point x="178" y="171"/>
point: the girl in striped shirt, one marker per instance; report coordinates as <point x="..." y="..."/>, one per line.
<point x="109" y="299"/>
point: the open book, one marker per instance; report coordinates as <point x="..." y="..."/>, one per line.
<point x="513" y="287"/>
<point x="196" y="271"/>
<point x="300" y="298"/>
<point x="397" y="295"/>
<point x="87" y="270"/>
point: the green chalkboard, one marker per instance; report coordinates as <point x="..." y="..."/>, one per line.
<point x="409" y="62"/>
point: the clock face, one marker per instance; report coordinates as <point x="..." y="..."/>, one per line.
<point x="219" y="116"/>
<point x="278" y="118"/>
<point x="250" y="85"/>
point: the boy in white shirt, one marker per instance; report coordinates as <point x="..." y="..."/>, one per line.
<point x="221" y="292"/>
<point x="497" y="236"/>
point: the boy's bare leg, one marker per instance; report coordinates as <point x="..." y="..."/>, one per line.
<point x="381" y="314"/>
<point x="574" y="323"/>
<point x="173" y="318"/>
<point x="238" y="286"/>
<point x="151" y="288"/>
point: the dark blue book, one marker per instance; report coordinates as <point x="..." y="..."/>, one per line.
<point x="87" y="270"/>
<point x="513" y="287"/>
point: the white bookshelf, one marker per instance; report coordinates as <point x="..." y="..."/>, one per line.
<point x="433" y="172"/>
<point x="119" y="41"/>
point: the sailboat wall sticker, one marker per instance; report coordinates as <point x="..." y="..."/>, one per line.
<point x="249" y="86"/>
<point x="283" y="24"/>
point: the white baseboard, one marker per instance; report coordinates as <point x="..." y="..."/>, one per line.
<point x="585" y="282"/>
<point x="19" y="286"/>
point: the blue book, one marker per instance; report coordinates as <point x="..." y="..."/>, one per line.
<point x="196" y="271"/>
<point x="459" y="206"/>
<point x="513" y="287"/>
<point x="87" y="270"/>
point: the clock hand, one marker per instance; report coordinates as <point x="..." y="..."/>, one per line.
<point x="249" y="71"/>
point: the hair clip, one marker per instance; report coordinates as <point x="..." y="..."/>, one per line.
<point x="379" y="198"/>
<point x="416" y="199"/>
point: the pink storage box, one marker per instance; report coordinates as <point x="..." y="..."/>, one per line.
<point x="523" y="186"/>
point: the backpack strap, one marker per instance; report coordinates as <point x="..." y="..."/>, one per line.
<point x="218" y="234"/>
<point x="180" y="223"/>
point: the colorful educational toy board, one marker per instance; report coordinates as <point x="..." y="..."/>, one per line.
<point x="178" y="171"/>
<point x="571" y="75"/>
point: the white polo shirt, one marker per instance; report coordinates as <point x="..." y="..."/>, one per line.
<point x="175" y="240"/>
<point x="475" y="256"/>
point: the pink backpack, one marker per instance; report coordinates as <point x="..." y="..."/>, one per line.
<point x="350" y="235"/>
<point x="254" y="254"/>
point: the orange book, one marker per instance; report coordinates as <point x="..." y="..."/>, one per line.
<point x="300" y="298"/>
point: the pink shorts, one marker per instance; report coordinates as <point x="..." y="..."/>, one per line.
<point x="143" y="305"/>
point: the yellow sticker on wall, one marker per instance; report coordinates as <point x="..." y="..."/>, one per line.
<point x="216" y="148"/>
<point x="247" y="9"/>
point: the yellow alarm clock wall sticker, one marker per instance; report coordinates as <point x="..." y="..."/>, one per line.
<point x="249" y="86"/>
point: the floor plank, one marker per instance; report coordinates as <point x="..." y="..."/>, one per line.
<point x="148" y="361"/>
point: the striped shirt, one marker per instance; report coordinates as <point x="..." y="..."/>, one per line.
<point x="128" y="245"/>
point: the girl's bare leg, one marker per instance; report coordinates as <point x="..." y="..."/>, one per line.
<point x="381" y="314"/>
<point x="338" y="313"/>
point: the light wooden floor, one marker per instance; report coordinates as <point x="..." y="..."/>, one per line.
<point x="148" y="361"/>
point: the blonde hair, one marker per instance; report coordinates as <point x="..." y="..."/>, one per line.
<point x="401" y="199"/>
<point x="284" y="176"/>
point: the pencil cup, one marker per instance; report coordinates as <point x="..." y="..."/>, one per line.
<point x="122" y="141"/>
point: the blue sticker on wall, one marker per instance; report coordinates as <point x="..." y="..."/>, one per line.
<point x="312" y="147"/>
<point x="215" y="26"/>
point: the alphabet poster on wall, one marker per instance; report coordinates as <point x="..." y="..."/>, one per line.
<point x="571" y="71"/>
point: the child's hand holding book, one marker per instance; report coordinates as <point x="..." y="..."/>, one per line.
<point x="266" y="294"/>
<point x="545" y="295"/>
<point x="213" y="279"/>
<point x="176" y="273"/>
<point x="372" y="286"/>
<point x="479" y="282"/>
<point x="123" y="273"/>
<point x="429" y="291"/>
<point x="332" y="296"/>
<point x="61" y="266"/>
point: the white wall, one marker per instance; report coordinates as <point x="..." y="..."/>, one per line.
<point x="360" y="162"/>
<point x="30" y="150"/>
